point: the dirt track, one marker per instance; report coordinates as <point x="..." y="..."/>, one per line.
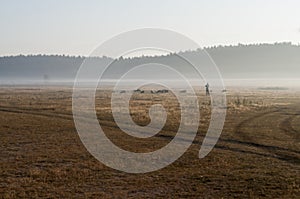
<point x="258" y="154"/>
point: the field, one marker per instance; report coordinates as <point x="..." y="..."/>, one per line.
<point x="257" y="155"/>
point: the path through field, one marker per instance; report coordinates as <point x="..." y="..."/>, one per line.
<point x="257" y="156"/>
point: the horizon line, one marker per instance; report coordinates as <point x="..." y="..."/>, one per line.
<point x="181" y="51"/>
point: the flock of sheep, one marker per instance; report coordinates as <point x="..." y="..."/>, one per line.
<point x="151" y="91"/>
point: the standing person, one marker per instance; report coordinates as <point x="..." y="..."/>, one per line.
<point x="207" y="89"/>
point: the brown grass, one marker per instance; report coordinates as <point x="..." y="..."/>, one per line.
<point x="257" y="156"/>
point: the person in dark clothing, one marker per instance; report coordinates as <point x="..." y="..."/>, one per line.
<point x="207" y="89"/>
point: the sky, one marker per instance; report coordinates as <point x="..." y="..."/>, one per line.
<point x="77" y="27"/>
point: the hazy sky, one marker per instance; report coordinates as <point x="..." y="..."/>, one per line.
<point x="76" y="27"/>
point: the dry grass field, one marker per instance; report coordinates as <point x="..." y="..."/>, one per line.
<point x="257" y="155"/>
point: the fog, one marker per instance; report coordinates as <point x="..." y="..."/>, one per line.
<point x="260" y="65"/>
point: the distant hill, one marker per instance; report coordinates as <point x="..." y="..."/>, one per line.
<point x="279" y="60"/>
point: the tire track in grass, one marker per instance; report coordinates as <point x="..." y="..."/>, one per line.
<point x="286" y="126"/>
<point x="291" y="156"/>
<point x="246" y="140"/>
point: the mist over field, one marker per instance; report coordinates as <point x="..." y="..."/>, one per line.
<point x="258" y="64"/>
<point x="149" y="99"/>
